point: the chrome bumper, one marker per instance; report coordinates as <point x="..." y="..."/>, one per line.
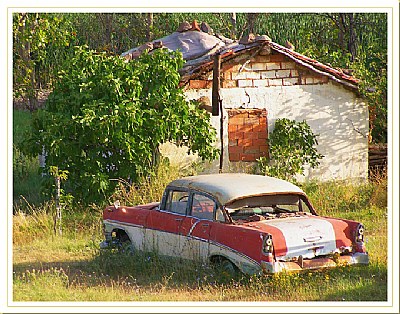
<point x="316" y="263"/>
<point x="104" y="245"/>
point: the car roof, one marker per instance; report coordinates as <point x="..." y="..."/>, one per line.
<point x="229" y="187"/>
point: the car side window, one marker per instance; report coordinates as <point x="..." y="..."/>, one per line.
<point x="219" y="215"/>
<point x="202" y="206"/>
<point x="177" y="201"/>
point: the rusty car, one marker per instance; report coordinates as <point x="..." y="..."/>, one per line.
<point x="249" y="223"/>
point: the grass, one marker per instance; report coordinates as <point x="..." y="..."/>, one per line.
<point x="78" y="272"/>
<point x="72" y="268"/>
<point x="21" y="125"/>
<point x="26" y="176"/>
<point x="150" y="189"/>
<point x="110" y="277"/>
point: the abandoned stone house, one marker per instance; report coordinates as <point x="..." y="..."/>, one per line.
<point x="261" y="81"/>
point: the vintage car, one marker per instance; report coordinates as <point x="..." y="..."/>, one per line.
<point x="255" y="224"/>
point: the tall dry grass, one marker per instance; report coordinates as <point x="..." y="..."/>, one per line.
<point x="150" y="188"/>
<point x="72" y="268"/>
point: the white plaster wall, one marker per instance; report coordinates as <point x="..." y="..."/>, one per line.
<point x="333" y="112"/>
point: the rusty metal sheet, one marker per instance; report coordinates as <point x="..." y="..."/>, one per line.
<point x="318" y="263"/>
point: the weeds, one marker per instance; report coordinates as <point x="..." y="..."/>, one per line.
<point x="150" y="188"/>
<point x="340" y="198"/>
<point x="38" y="223"/>
<point x="31" y="222"/>
<point x="26" y="176"/>
<point x="72" y="267"/>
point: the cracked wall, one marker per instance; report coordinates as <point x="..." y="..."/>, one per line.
<point x="333" y="112"/>
<point x="287" y="90"/>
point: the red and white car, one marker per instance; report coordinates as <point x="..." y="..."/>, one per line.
<point x="248" y="222"/>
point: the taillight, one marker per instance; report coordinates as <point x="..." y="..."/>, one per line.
<point x="360" y="233"/>
<point x="268" y="248"/>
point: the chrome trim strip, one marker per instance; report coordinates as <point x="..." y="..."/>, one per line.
<point x="173" y="213"/>
<point x="127" y="224"/>
<point x="217" y="244"/>
<point x="191" y="228"/>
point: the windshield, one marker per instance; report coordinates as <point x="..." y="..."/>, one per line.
<point x="269" y="207"/>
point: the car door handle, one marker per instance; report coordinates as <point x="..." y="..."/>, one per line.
<point x="178" y="219"/>
<point x="206" y="225"/>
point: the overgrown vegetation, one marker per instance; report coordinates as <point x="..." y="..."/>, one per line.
<point x="149" y="188"/>
<point x="47" y="267"/>
<point x="292" y="147"/>
<point x="72" y="268"/>
<point x="106" y="118"/>
<point x="40" y="43"/>
<point x="356" y="42"/>
<point x="26" y="177"/>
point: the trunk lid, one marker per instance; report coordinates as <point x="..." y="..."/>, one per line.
<point x="306" y="236"/>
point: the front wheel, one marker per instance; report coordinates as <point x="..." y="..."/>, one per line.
<point x="124" y="244"/>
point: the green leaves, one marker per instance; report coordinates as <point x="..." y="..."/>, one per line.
<point x="105" y="119"/>
<point x="292" y="147"/>
<point x="40" y="43"/>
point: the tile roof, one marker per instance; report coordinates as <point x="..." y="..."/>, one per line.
<point x="198" y="49"/>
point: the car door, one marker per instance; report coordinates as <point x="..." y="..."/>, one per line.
<point x="163" y="225"/>
<point x="195" y="228"/>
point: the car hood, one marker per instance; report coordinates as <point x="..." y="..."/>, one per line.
<point x="307" y="236"/>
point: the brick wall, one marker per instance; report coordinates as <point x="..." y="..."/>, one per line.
<point x="262" y="71"/>
<point x="247" y="134"/>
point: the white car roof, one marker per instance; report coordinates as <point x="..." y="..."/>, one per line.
<point x="229" y="187"/>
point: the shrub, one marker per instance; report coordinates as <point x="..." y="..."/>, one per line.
<point x="106" y="117"/>
<point x="292" y="147"/>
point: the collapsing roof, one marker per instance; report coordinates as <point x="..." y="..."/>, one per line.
<point x="198" y="46"/>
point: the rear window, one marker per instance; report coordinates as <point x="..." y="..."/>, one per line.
<point x="269" y="206"/>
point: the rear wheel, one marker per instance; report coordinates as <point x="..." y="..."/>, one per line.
<point x="225" y="267"/>
<point x="228" y="268"/>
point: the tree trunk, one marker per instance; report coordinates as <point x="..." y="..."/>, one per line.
<point x="233" y="23"/>
<point x="149" y="35"/>
<point x="347" y="32"/>
<point x="58" y="222"/>
<point x="24" y="51"/>
<point x="251" y="19"/>
<point x="106" y="20"/>
<point x="352" y="43"/>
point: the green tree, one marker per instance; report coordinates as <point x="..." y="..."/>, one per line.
<point x="105" y="119"/>
<point x="113" y="33"/>
<point x="354" y="41"/>
<point x="292" y="147"/>
<point x="40" y="43"/>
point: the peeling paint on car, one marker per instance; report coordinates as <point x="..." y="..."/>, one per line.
<point x="257" y="211"/>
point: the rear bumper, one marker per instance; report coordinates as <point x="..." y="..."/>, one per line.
<point x="316" y="263"/>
